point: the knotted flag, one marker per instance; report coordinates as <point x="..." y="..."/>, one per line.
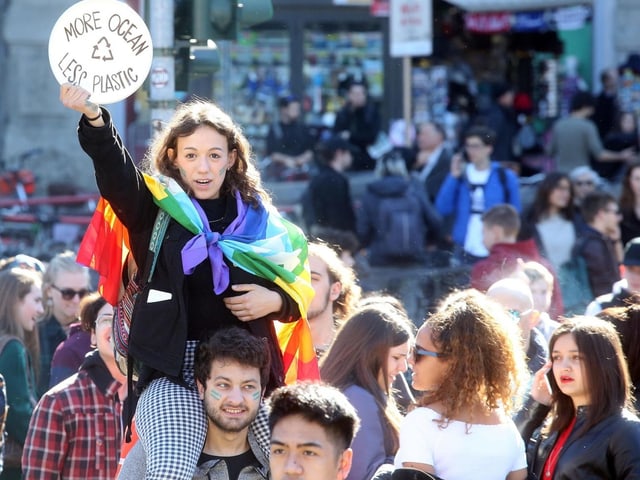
<point x="259" y="241"/>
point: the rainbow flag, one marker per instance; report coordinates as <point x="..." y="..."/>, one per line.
<point x="104" y="248"/>
<point x="259" y="241"/>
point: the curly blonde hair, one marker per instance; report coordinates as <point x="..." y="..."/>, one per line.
<point x="242" y="177"/>
<point x="486" y="360"/>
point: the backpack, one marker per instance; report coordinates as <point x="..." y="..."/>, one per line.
<point x="138" y="280"/>
<point x="573" y="278"/>
<point x="400" y="227"/>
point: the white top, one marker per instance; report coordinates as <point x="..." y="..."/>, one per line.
<point x="489" y="452"/>
<point x="473" y="242"/>
<point x="558" y="236"/>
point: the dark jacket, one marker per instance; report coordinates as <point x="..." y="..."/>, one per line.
<point x="629" y="226"/>
<point x="436" y="175"/>
<point x="599" y="254"/>
<point x="608" y="450"/>
<point x="328" y="201"/>
<point x="363" y="126"/>
<point x="503" y="122"/>
<point x="159" y="330"/>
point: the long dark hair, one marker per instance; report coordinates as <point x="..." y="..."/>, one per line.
<point x="604" y="371"/>
<point x="358" y="355"/>
<point x="627" y="197"/>
<point x="626" y="321"/>
<point x="541" y="205"/>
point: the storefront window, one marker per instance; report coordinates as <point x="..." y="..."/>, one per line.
<point x="258" y="73"/>
<point x="332" y="52"/>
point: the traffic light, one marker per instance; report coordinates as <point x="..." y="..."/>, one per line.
<point x="252" y="12"/>
<point x="202" y="20"/>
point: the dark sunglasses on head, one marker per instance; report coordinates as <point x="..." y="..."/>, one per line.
<point x="423" y="352"/>
<point x="69" y="293"/>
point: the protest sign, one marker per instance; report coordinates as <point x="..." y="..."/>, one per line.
<point x="103" y="46"/>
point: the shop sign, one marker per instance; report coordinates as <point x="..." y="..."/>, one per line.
<point x="493" y="22"/>
<point x="353" y="3"/>
<point x="103" y="46"/>
<point x="530" y="22"/>
<point x="411" y="28"/>
<point x="380" y="8"/>
<point x="571" y="18"/>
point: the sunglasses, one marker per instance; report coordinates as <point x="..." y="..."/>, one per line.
<point x="69" y="293"/>
<point x="516" y="315"/>
<point x="418" y="352"/>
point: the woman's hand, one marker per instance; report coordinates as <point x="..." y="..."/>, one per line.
<point x="255" y="303"/>
<point x="76" y="98"/>
<point x="540" y="388"/>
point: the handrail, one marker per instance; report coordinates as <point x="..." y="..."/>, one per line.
<point x="50" y="200"/>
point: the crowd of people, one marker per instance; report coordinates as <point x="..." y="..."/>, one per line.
<point x="529" y="370"/>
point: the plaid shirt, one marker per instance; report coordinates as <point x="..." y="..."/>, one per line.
<point x="75" y="431"/>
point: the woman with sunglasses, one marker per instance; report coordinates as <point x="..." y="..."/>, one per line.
<point x="591" y="432"/>
<point x="370" y="349"/>
<point x="468" y="362"/>
<point x="65" y="283"/>
<point x="20" y="307"/>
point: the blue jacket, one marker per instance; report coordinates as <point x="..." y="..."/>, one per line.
<point x="454" y="198"/>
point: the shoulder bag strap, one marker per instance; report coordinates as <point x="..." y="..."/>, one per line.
<point x="157" y="235"/>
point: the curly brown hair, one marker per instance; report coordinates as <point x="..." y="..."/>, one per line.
<point x="242" y="177"/>
<point x="486" y="360"/>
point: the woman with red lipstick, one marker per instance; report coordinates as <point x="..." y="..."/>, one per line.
<point x="370" y="349"/>
<point x="592" y="432"/>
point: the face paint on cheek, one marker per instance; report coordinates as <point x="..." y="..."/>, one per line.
<point x="222" y="171"/>
<point x="255" y="396"/>
<point x="215" y="394"/>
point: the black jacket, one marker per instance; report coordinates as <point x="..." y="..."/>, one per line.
<point x="159" y="330"/>
<point x="609" y="450"/>
<point x="599" y="254"/>
<point x="328" y="201"/>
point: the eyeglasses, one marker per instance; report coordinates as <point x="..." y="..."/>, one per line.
<point x="69" y="293"/>
<point x="423" y="352"/>
<point x="104" y="318"/>
<point x="474" y="146"/>
<point x="584" y="183"/>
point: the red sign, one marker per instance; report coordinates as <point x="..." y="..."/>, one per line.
<point x="380" y="8"/>
<point x="494" y="22"/>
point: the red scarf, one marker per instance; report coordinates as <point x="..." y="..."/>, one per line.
<point x="552" y="460"/>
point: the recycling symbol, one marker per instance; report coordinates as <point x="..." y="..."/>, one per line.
<point x="102" y="50"/>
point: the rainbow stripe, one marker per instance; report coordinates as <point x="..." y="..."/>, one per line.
<point x="262" y="243"/>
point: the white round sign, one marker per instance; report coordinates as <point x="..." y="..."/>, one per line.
<point x="103" y="46"/>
